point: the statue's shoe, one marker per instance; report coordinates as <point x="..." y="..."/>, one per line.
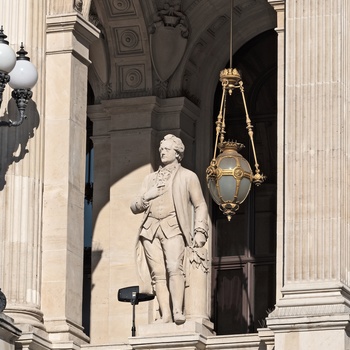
<point x="179" y="318"/>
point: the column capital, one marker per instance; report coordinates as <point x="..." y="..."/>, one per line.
<point x="278" y="5"/>
<point x="60" y="39"/>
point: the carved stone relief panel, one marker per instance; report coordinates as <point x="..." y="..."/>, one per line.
<point x="120" y="8"/>
<point x="132" y="77"/>
<point x="128" y="40"/>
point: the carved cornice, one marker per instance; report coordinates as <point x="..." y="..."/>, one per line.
<point x="278" y="5"/>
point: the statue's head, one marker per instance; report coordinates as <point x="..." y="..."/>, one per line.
<point x="179" y="147"/>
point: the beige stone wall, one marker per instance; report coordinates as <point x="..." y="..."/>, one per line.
<point x="42" y="175"/>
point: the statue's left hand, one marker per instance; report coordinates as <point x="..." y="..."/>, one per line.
<point x="199" y="239"/>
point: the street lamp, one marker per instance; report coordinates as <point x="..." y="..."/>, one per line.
<point x="20" y="74"/>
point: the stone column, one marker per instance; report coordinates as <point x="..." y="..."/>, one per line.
<point x="314" y="309"/>
<point x="21" y="172"/>
<point x="68" y="39"/>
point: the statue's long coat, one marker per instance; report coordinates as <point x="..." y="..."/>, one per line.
<point x="187" y="196"/>
<point x="186" y="192"/>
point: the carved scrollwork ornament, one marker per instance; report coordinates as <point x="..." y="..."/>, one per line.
<point x="168" y="38"/>
<point x="78" y="5"/>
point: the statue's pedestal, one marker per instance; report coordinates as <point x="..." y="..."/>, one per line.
<point x="201" y="326"/>
<point x="190" y="335"/>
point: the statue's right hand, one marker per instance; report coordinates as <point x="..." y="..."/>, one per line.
<point x="152" y="193"/>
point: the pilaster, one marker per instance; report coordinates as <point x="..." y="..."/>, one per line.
<point x="68" y="39"/>
<point x="314" y="308"/>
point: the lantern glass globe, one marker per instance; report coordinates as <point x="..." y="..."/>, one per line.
<point x="7" y="58"/>
<point x="24" y="75"/>
<point x="233" y="177"/>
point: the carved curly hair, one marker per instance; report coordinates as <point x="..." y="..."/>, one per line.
<point x="179" y="147"/>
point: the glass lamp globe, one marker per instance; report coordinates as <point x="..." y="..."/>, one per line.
<point x="230" y="179"/>
<point x="23" y="76"/>
<point x="7" y="55"/>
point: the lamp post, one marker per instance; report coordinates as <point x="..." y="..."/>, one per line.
<point x="20" y="74"/>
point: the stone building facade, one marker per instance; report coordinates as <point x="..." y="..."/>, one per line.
<point x="123" y="73"/>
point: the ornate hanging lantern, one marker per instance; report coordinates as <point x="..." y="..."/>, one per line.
<point x="229" y="175"/>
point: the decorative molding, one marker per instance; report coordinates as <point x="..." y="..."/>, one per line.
<point x="78" y="5"/>
<point x="161" y="88"/>
<point x="120" y="8"/>
<point x="93" y="16"/>
<point x="170" y="15"/>
<point x="197" y="51"/>
<point x="308" y="310"/>
<point x="132" y="77"/>
<point x="125" y="94"/>
<point x="26" y="314"/>
<point x="128" y="40"/>
<point x="278" y="5"/>
<point x="83" y="30"/>
<point x="217" y="25"/>
<point x="168" y="38"/>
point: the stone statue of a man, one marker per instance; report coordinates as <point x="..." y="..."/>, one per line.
<point x="167" y="198"/>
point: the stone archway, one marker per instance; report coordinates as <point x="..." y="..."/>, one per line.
<point x="127" y="118"/>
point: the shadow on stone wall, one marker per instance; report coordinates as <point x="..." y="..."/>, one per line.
<point x="14" y="139"/>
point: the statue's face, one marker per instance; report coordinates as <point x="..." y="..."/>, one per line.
<point x="167" y="152"/>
